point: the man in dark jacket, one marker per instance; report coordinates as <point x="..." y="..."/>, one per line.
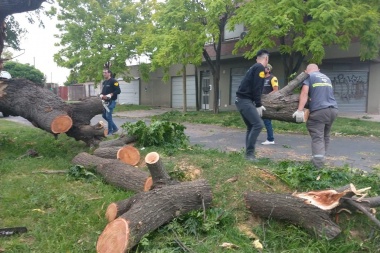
<point x="248" y="102"/>
<point x="109" y="94"/>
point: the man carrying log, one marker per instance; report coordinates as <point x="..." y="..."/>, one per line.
<point x="318" y="90"/>
<point x="248" y="102"/>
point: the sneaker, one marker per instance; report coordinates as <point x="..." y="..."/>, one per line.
<point x="268" y="142"/>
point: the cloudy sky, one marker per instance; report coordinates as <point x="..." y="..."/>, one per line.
<point x="39" y="49"/>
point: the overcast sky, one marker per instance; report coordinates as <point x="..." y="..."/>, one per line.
<point x="39" y="49"/>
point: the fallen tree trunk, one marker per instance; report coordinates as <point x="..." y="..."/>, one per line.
<point x="294" y="210"/>
<point x="159" y="175"/>
<point x="47" y="111"/>
<point x="20" y="97"/>
<point x="149" y="211"/>
<point x="116" y="173"/>
<point x="313" y="210"/>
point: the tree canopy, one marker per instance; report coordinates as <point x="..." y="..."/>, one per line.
<point x="301" y="29"/>
<point x="96" y="34"/>
<point x="26" y="71"/>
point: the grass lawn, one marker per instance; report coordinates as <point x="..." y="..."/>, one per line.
<point x="64" y="211"/>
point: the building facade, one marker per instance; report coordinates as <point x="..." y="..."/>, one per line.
<point x="356" y="83"/>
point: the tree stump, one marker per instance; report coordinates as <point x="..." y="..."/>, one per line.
<point x="116" y="173"/>
<point x="149" y="211"/>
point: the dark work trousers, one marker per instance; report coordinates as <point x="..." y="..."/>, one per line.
<point x="253" y="122"/>
<point x="319" y="126"/>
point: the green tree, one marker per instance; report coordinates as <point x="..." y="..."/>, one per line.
<point x="174" y="37"/>
<point x="94" y="34"/>
<point x="183" y="29"/>
<point x="19" y="70"/>
<point x="301" y="29"/>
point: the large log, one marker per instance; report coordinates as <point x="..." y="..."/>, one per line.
<point x="282" y="104"/>
<point x="119" y="142"/>
<point x="20" y="97"/>
<point x="149" y="211"/>
<point x="294" y="210"/>
<point x="126" y="154"/>
<point x="47" y="111"/>
<point x="82" y="113"/>
<point x="116" y="173"/>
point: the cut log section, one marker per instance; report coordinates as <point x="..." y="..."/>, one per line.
<point x="61" y="124"/>
<point x="159" y="175"/>
<point x="129" y="155"/>
<point x="116" y="173"/>
<point x="282" y="104"/>
<point x="149" y="211"/>
<point x="294" y="210"/>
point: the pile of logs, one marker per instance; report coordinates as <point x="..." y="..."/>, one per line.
<point x="158" y="197"/>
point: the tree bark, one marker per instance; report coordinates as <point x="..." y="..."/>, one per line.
<point x="149" y="211"/>
<point x="159" y="175"/>
<point x="119" y="142"/>
<point x="116" y="173"/>
<point x="20" y="97"/>
<point x="47" y="111"/>
<point x="294" y="210"/>
<point x="282" y="104"/>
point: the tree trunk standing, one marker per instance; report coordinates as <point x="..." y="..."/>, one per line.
<point x="294" y="210"/>
<point x="281" y="105"/>
<point x="151" y="210"/>
<point x="116" y="173"/>
<point x="184" y="93"/>
<point x="20" y="97"/>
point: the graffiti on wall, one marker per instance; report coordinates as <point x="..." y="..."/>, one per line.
<point x="349" y="86"/>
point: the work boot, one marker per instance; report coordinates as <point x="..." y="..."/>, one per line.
<point x="250" y="158"/>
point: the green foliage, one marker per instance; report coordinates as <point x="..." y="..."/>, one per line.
<point x="304" y="28"/>
<point x="159" y="133"/>
<point x="26" y="71"/>
<point x="79" y="172"/>
<point x="93" y="33"/>
<point x="304" y="177"/>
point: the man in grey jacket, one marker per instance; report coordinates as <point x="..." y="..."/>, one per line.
<point x="318" y="91"/>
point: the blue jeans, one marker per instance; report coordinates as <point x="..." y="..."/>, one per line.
<point x="108" y="117"/>
<point x="252" y="120"/>
<point x="269" y="128"/>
